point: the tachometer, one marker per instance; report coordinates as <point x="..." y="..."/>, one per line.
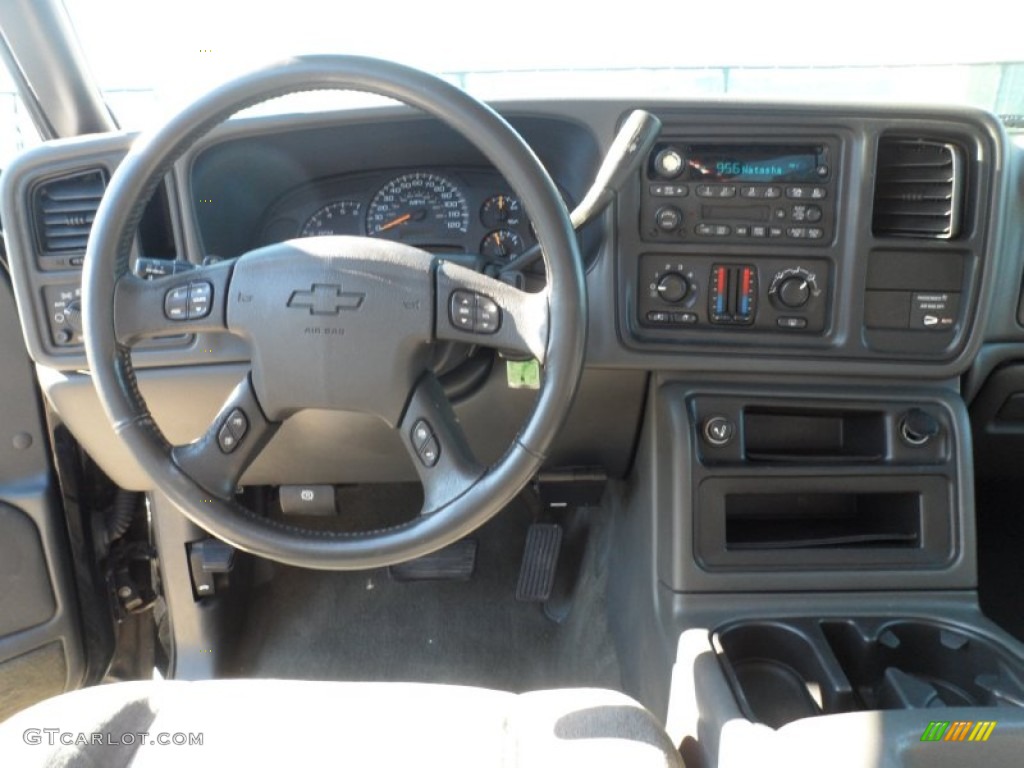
<point x="421" y="207"/>
<point x="338" y="218"/>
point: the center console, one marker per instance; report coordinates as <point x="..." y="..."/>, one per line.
<point x="807" y="291"/>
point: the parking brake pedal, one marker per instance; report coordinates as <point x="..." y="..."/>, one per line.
<point x="455" y="562"/>
<point x="540" y="557"/>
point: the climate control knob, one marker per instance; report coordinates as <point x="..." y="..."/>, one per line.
<point x="793" y="292"/>
<point x="673" y="287"/>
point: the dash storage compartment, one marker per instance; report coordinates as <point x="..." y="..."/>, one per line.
<point x="830" y="522"/>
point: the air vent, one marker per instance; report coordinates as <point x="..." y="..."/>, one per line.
<point x="918" y="189"/>
<point x="65" y="209"/>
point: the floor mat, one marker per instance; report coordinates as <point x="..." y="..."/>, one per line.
<point x="365" y="626"/>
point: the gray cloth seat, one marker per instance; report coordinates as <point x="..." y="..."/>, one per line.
<point x="300" y="723"/>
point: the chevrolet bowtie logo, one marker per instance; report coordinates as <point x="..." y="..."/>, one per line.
<point x="324" y="299"/>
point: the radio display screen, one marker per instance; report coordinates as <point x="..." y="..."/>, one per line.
<point x="720" y="162"/>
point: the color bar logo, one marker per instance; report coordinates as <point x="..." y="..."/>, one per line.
<point x="958" y="730"/>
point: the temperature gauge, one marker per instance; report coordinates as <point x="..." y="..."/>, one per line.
<point x="502" y="244"/>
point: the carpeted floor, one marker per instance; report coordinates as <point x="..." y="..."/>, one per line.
<point x="365" y="626"/>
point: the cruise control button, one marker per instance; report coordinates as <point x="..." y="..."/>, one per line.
<point x="430" y="452"/>
<point x="176" y="303"/>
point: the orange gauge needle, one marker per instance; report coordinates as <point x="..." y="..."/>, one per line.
<point x="395" y="222"/>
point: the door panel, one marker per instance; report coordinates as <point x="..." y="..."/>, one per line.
<point x="40" y="637"/>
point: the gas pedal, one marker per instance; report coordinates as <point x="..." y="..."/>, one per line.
<point x="540" y="558"/>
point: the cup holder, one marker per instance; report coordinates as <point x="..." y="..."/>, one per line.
<point x="910" y="664"/>
<point x="781" y="671"/>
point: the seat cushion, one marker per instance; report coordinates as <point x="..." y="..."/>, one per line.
<point x="304" y="723"/>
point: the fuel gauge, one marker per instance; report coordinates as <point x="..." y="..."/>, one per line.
<point x="502" y="244"/>
<point x="501" y="211"/>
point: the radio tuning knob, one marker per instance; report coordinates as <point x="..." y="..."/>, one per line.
<point x="668" y="163"/>
<point x="668" y="218"/>
<point x="673" y="287"/>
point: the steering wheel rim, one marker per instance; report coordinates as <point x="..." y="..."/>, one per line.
<point x="112" y="296"/>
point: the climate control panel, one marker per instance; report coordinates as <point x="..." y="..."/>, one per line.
<point x="777" y="294"/>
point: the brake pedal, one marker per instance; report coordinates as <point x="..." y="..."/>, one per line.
<point x="456" y="562"/>
<point x="540" y="558"/>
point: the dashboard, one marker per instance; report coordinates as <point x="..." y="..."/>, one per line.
<point x="805" y="243"/>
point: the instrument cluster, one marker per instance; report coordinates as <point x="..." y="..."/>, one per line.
<point x="440" y="210"/>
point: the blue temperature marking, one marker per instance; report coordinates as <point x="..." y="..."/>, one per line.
<point x="720" y="304"/>
<point x="745" y="305"/>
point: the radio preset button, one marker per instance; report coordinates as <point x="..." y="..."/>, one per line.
<point x="668" y="218"/>
<point x="772" y="192"/>
<point x="752" y="191"/>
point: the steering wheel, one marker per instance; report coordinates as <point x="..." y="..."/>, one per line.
<point x="342" y="323"/>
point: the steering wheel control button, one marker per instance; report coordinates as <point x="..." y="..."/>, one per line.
<point x="425" y="443"/>
<point x="463" y="310"/>
<point x="488" y="315"/>
<point x="232" y="430"/>
<point x="430" y="453"/>
<point x="421" y="433"/>
<point x="719" y="431"/>
<point x="176" y="303"/>
<point x="188" y="302"/>
<point x="307" y="500"/>
<point x="200" y="296"/>
<point x="474" y="312"/>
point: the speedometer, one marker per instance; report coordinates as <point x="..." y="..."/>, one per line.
<point x="419" y="207"/>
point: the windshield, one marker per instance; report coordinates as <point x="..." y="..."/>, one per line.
<point x="151" y="57"/>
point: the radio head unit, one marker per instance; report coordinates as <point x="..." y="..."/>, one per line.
<point x="752" y="192"/>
